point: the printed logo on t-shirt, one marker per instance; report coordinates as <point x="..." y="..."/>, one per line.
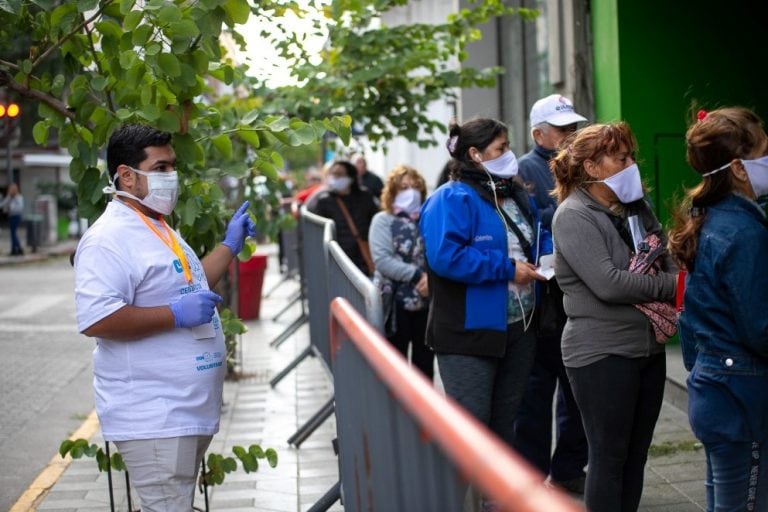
<point x="208" y="361"/>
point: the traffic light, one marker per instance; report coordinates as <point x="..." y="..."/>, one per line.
<point x="9" y="111"/>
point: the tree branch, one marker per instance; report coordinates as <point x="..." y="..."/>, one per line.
<point x="98" y="64"/>
<point x="6" y="80"/>
<point x="9" y="64"/>
<point x="70" y="34"/>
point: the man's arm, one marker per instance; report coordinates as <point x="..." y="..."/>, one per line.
<point x="216" y="263"/>
<point x="133" y="323"/>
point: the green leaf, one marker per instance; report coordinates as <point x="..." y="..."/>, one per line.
<point x="99" y="83"/>
<point x="86" y="5"/>
<point x="65" y="446"/>
<point x="40" y="132"/>
<point x="169" y="13"/>
<point x="237" y="10"/>
<point x="140" y="36"/>
<point x="271" y="457"/>
<point x="169" y="64"/>
<point x="190" y="211"/>
<point x="183" y="29"/>
<point x="224" y="144"/>
<point x="126" y="6"/>
<point x="169" y="122"/>
<point x="11" y="6"/>
<point x="117" y="462"/>
<point x="256" y="451"/>
<point x="250" y="137"/>
<point x="131" y="20"/>
<point x="124" y="114"/>
<point x="149" y="112"/>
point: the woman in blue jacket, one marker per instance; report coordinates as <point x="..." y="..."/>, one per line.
<point x="722" y="241"/>
<point x="480" y="234"/>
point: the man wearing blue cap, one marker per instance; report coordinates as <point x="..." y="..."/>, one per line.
<point x="552" y="120"/>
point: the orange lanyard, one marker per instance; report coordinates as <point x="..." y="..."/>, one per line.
<point x="171" y="242"/>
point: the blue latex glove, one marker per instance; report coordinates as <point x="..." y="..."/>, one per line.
<point x="239" y="227"/>
<point x="194" y="309"/>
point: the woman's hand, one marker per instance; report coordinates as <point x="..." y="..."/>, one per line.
<point x="422" y="287"/>
<point x="525" y="273"/>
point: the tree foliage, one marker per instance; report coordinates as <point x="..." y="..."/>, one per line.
<point x="385" y="77"/>
<point x="93" y="64"/>
<point x="157" y="62"/>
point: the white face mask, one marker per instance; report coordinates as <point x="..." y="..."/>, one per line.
<point x="338" y="184"/>
<point x="504" y="166"/>
<point x="757" y="171"/>
<point x="162" y="191"/>
<point x="408" y="201"/>
<point x="626" y="184"/>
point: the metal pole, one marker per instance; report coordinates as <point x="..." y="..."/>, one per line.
<point x="8" y="168"/>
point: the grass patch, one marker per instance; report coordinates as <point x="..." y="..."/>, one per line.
<point x="672" y="447"/>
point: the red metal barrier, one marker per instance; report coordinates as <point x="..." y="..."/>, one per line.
<point x="484" y="460"/>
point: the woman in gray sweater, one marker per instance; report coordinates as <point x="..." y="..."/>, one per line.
<point x="613" y="361"/>
<point x="397" y="250"/>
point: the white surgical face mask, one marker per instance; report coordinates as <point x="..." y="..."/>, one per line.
<point x="626" y="184"/>
<point x="338" y="184"/>
<point x="757" y="171"/>
<point x="162" y="191"/>
<point x="504" y="166"/>
<point x="408" y="201"/>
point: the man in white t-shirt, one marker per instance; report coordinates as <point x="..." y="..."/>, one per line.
<point x="141" y="291"/>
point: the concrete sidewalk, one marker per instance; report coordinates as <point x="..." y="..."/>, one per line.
<point x="255" y="413"/>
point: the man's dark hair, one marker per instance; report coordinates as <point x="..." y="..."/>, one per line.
<point x="127" y="143"/>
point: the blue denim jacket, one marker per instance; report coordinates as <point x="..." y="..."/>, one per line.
<point x="724" y="328"/>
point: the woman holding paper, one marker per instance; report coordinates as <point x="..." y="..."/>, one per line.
<point x="613" y="361"/>
<point x="480" y="234"/>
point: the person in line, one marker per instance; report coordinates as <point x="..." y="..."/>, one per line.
<point x="397" y="249"/>
<point x="552" y="119"/>
<point x="479" y="237"/>
<point x="613" y="361"/>
<point x="13" y="205"/>
<point x="351" y="208"/>
<point x="720" y="238"/>
<point x="366" y="178"/>
<point x="141" y="291"/>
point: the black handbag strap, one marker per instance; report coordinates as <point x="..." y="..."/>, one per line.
<point x="524" y="243"/>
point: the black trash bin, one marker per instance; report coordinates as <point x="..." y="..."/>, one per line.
<point x="34" y="224"/>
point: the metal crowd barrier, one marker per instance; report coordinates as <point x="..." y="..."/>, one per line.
<point x="404" y="446"/>
<point x="316" y="232"/>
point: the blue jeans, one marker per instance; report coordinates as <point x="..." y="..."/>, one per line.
<point x="533" y="425"/>
<point x="736" y="479"/>
<point x="619" y="399"/>
<point x="490" y="388"/>
<point x="15" y="222"/>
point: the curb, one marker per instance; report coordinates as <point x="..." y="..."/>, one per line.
<point x="48" y="477"/>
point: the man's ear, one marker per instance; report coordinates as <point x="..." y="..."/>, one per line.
<point x="536" y="134"/>
<point x="125" y="176"/>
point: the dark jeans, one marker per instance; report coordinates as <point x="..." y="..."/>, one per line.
<point x="490" y="388"/>
<point x="620" y="400"/>
<point x="533" y="425"/>
<point x="15" y="222"/>
<point x="411" y="329"/>
<point x="737" y="476"/>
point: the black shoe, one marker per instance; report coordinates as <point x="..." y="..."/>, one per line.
<point x="572" y="486"/>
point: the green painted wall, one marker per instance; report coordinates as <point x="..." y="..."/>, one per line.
<point x="656" y="59"/>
